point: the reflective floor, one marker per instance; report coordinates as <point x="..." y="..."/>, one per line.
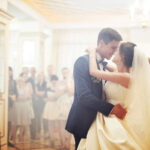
<point x="35" y="145"/>
<point x="41" y="144"/>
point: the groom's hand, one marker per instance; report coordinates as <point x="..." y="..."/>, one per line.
<point x="119" y="111"/>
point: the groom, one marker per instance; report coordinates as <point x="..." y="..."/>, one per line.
<point x="88" y="90"/>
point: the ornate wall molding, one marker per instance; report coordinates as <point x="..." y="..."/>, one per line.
<point x="5" y="17"/>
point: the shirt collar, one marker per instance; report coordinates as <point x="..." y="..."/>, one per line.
<point x="98" y="57"/>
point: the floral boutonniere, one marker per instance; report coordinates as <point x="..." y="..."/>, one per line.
<point x="95" y="80"/>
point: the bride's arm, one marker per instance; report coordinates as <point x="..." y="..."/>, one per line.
<point x="116" y="77"/>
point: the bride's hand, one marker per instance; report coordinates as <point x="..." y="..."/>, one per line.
<point x="91" y="51"/>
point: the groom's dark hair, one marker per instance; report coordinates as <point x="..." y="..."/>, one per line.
<point x="108" y="35"/>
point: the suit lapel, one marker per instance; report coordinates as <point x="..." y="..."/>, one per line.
<point x="98" y="66"/>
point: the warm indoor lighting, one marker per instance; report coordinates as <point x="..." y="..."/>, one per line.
<point x="139" y="13"/>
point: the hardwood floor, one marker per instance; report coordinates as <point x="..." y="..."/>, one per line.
<point x="38" y="145"/>
<point x="41" y="143"/>
<point x="34" y="146"/>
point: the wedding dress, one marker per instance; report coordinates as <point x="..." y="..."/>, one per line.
<point x="132" y="133"/>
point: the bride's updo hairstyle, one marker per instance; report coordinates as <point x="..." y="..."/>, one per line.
<point x="127" y="51"/>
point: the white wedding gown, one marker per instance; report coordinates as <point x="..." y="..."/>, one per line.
<point x="111" y="133"/>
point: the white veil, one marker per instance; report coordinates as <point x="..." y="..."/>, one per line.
<point x="138" y="99"/>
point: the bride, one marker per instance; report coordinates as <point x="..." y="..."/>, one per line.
<point x="130" y="88"/>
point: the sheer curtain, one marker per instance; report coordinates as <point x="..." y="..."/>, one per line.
<point x="70" y="44"/>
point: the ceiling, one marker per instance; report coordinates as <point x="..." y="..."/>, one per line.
<point x="18" y="13"/>
<point x="82" y="11"/>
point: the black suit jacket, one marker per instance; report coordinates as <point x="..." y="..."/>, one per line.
<point x="87" y="100"/>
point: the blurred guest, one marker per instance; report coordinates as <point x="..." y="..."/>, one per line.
<point x="32" y="80"/>
<point x="51" y="108"/>
<point x="50" y="73"/>
<point x="65" y="102"/>
<point x="12" y="94"/>
<point x="68" y="79"/>
<point x="25" y="70"/>
<point x="65" y="72"/>
<point x="40" y="91"/>
<point x="32" y="77"/>
<point x="23" y="107"/>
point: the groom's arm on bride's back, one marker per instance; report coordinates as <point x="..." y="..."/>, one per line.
<point x="86" y="98"/>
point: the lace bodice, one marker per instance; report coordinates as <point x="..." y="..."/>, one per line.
<point x="115" y="93"/>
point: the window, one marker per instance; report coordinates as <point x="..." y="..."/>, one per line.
<point x="28" y="53"/>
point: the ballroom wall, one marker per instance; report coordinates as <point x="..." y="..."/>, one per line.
<point x="141" y="36"/>
<point x="69" y="44"/>
<point x="62" y="47"/>
<point x="29" y="46"/>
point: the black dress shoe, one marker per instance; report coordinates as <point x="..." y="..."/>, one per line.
<point x="10" y="144"/>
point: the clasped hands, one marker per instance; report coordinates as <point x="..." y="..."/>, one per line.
<point x="119" y="111"/>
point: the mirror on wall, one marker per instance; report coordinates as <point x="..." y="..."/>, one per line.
<point x="2" y="57"/>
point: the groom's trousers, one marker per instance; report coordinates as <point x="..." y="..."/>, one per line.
<point x="77" y="141"/>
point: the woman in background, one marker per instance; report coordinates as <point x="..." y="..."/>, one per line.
<point x="12" y="95"/>
<point x="40" y="90"/>
<point x="23" y="106"/>
<point x="64" y="104"/>
<point x="51" y="108"/>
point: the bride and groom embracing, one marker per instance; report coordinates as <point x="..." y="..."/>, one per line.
<point x="111" y="108"/>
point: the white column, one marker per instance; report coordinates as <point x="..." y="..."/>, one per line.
<point x="38" y="39"/>
<point x="4" y="21"/>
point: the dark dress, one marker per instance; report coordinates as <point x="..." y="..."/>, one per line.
<point x="39" y="104"/>
<point x="33" y="122"/>
<point x="12" y="90"/>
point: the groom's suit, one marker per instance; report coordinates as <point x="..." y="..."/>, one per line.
<point x="87" y="100"/>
